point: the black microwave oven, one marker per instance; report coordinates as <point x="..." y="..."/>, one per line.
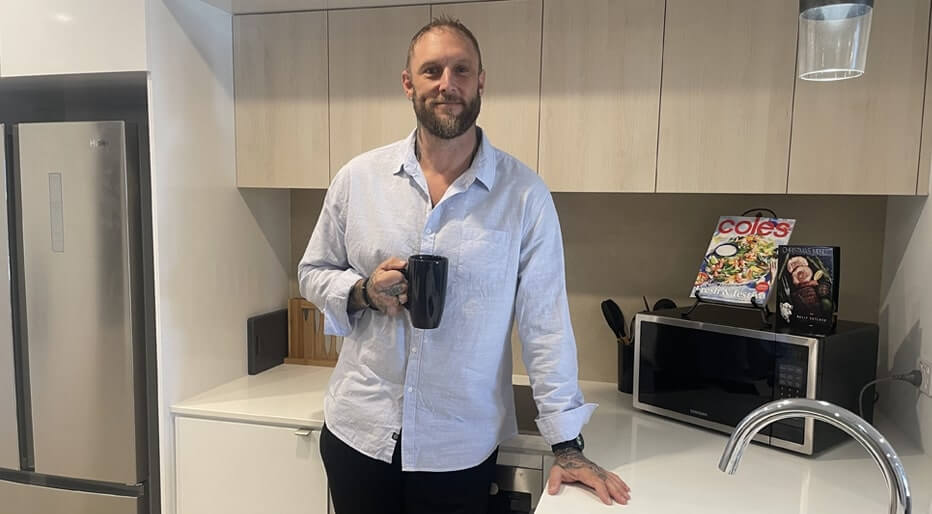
<point x="716" y="366"/>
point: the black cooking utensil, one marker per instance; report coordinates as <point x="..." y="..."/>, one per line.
<point x="614" y="318"/>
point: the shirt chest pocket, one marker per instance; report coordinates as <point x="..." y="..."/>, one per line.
<point x="483" y="261"/>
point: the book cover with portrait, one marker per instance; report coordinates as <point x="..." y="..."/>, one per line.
<point x="807" y="288"/>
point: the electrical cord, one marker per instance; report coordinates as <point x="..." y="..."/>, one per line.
<point x="864" y="389"/>
<point x="914" y="377"/>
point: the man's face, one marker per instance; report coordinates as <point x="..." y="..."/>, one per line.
<point x="444" y="83"/>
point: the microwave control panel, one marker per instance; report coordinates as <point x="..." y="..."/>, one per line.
<point x="792" y="375"/>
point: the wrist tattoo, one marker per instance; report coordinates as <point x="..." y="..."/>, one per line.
<point x="356" y="301"/>
<point x="571" y="459"/>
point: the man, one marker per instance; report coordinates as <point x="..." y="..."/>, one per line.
<point x="414" y="417"/>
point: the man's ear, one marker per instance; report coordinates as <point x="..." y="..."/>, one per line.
<point x="406" y="84"/>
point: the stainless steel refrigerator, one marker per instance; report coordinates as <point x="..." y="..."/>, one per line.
<point x="73" y="423"/>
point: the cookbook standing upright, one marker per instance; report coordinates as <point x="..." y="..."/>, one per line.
<point x="741" y="261"/>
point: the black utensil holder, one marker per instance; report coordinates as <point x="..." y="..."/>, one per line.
<point x="625" y="367"/>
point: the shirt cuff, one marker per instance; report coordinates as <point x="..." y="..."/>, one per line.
<point x="566" y="425"/>
<point x="337" y="322"/>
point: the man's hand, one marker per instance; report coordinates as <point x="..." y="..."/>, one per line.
<point x="387" y="287"/>
<point x="571" y="466"/>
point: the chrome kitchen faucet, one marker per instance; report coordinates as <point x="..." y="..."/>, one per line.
<point x="862" y="431"/>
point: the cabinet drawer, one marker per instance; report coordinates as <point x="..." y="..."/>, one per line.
<point x="244" y="468"/>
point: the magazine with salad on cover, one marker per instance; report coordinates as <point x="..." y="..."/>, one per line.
<point x="741" y="261"/>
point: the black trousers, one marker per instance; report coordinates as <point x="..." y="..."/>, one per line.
<point x="362" y="485"/>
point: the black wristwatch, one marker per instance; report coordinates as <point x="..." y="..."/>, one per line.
<point x="576" y="443"/>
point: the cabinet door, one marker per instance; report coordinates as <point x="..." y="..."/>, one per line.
<point x="50" y="37"/>
<point x="861" y="136"/>
<point x="368" y="107"/>
<point x="509" y="38"/>
<point x="243" y="468"/>
<point x="925" y="146"/>
<point x="727" y="96"/>
<point x="282" y="126"/>
<point x="600" y="93"/>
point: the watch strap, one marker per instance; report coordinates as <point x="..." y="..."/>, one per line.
<point x="575" y="443"/>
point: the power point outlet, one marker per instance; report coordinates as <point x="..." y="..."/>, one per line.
<point x="926" y="369"/>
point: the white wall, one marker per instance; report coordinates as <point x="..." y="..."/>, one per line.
<point x="906" y="313"/>
<point x="221" y="255"/>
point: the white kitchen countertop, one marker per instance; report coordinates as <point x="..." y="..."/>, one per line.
<point x="671" y="467"/>
<point x="287" y="395"/>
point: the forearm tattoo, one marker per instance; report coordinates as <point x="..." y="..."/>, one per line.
<point x="572" y="459"/>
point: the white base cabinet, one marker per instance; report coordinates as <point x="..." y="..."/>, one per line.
<point x="242" y="468"/>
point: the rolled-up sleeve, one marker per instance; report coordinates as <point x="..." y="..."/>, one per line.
<point x="543" y="321"/>
<point x="324" y="274"/>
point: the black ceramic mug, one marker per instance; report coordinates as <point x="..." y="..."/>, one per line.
<point x="427" y="289"/>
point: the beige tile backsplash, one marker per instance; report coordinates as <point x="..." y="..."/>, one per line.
<point x="625" y="246"/>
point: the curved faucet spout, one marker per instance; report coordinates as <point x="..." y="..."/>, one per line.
<point x="859" y="429"/>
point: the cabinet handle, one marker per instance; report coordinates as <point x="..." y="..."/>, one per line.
<point x="303" y="432"/>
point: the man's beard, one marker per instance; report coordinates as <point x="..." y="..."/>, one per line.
<point x="447" y="127"/>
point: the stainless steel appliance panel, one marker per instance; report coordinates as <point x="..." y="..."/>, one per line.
<point x="29" y="499"/>
<point x="76" y="260"/>
<point x="725" y="378"/>
<point x="709" y="373"/>
<point x="690" y="417"/>
<point x="9" y="437"/>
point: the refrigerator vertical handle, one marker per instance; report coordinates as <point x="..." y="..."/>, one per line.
<point x="56" y="213"/>
<point x="18" y="303"/>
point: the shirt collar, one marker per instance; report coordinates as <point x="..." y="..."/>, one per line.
<point x="482" y="168"/>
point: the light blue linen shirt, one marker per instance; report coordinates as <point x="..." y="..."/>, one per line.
<point x="447" y="391"/>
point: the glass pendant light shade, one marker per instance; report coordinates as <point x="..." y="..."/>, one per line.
<point x="833" y="38"/>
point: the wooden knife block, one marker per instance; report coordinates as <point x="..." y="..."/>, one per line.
<point x="307" y="343"/>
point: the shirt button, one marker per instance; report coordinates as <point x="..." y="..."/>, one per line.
<point x="413" y="350"/>
<point x="410" y="389"/>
